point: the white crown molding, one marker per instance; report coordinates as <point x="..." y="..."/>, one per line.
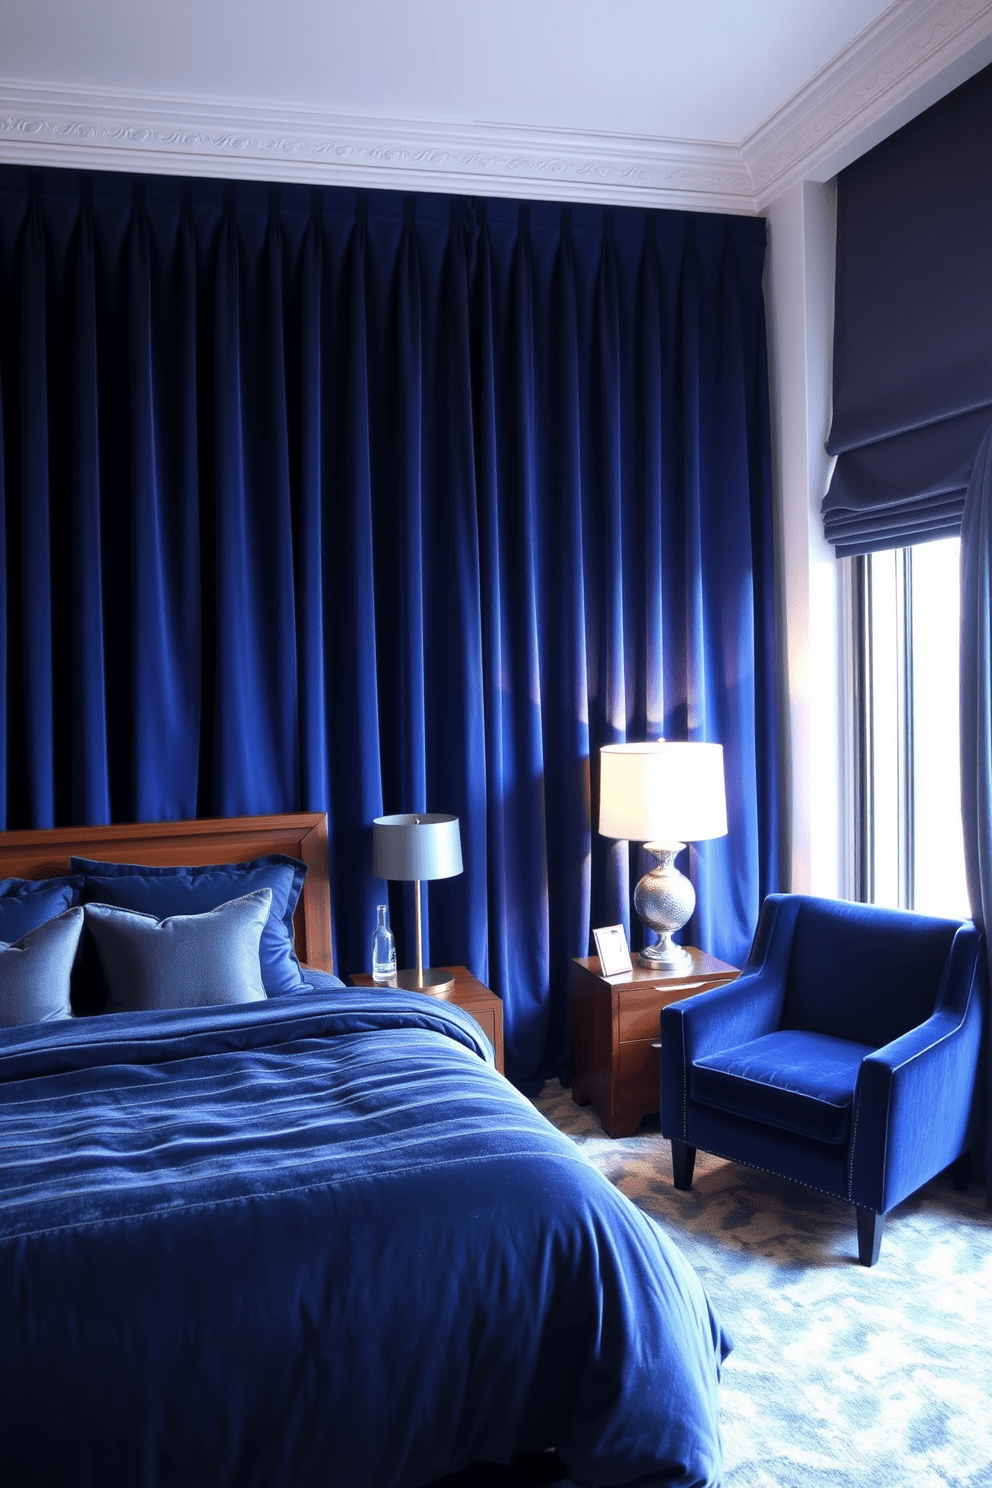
<point x="187" y="137"/>
<point x="913" y="54"/>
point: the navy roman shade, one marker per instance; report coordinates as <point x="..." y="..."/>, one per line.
<point x="912" y="376"/>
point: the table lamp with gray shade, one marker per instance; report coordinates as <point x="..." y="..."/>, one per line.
<point x="663" y="795"/>
<point x="413" y="848"/>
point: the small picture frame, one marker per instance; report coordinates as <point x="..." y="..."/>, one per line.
<point x="611" y="947"/>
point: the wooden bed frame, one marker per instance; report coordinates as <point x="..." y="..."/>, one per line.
<point x="302" y="835"/>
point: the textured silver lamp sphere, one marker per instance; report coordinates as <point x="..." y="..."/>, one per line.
<point x="664" y="900"/>
<point x="663" y="795"/>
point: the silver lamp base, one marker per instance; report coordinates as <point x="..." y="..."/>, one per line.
<point x="665" y="955"/>
<point x="664" y="900"/>
<point x="436" y="981"/>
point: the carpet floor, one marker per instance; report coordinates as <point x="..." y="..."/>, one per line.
<point x="841" y="1376"/>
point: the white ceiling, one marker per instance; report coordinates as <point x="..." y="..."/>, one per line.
<point x="708" y="71"/>
<point x="716" y="104"/>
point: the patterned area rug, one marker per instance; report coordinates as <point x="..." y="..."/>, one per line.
<point x="841" y="1376"/>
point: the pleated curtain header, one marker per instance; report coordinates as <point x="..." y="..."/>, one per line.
<point x="912" y="373"/>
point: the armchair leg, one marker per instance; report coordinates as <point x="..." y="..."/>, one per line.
<point x="870" y="1226"/>
<point x="683" y="1162"/>
<point x="961" y="1171"/>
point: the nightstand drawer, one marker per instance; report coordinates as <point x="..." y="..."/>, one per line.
<point x="639" y="1071"/>
<point x="639" y="1009"/>
<point x="486" y="1020"/>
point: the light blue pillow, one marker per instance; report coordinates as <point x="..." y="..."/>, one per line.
<point x="190" y="890"/>
<point x="198" y="960"/>
<point x="34" y="971"/>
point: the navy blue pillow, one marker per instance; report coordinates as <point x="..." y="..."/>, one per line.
<point x="26" y="903"/>
<point x="34" y="971"/>
<point x="165" y="891"/>
<point x="184" y="961"/>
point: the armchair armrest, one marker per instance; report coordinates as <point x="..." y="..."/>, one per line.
<point x="726" y="1015"/>
<point x="915" y="1105"/>
<point x="748" y="1007"/>
<point x="730" y="1014"/>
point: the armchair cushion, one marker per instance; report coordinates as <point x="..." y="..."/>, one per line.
<point x="798" y="1082"/>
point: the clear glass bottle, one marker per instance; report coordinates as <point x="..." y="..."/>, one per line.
<point x="383" y="949"/>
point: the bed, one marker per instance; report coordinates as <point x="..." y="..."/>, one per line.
<point x="312" y="1237"/>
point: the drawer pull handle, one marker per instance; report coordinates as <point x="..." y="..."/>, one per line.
<point x="656" y="1045"/>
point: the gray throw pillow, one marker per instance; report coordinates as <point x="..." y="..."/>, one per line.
<point x="186" y="961"/>
<point x="34" y="971"/>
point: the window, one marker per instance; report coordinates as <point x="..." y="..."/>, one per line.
<point x="909" y="847"/>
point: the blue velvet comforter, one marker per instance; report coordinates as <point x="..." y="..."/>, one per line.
<point x="319" y="1240"/>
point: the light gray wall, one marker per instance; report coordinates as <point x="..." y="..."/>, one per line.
<point x="800" y="294"/>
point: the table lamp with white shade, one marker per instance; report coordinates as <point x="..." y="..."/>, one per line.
<point x="663" y="795"/>
<point x="416" y="847"/>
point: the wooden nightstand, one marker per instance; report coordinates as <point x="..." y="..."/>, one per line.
<point x="469" y="993"/>
<point x="615" y="1028"/>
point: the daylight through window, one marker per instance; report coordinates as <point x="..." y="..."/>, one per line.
<point x="910" y="846"/>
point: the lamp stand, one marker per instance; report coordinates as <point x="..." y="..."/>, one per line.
<point x="435" y="981"/>
<point x="664" y="900"/>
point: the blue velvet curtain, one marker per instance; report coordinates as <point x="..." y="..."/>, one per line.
<point x="360" y="502"/>
<point x="976" y="711"/>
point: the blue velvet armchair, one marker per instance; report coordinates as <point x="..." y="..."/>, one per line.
<point x="846" y="1056"/>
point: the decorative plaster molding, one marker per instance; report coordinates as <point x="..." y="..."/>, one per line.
<point x="185" y="137"/>
<point x="914" y="52"/>
<point x="908" y="46"/>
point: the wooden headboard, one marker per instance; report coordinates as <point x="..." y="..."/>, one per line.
<point x="303" y="835"/>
